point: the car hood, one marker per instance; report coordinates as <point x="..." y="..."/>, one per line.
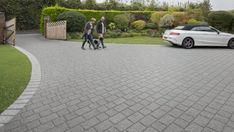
<point x="228" y="34"/>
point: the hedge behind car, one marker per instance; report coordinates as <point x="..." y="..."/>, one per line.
<point x="222" y="20"/>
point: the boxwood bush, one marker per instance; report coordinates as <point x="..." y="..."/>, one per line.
<point x="139" y="24"/>
<point x="75" y="20"/>
<point x="122" y="22"/>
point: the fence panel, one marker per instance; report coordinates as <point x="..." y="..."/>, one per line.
<point x="56" y="30"/>
<point x="10" y="31"/>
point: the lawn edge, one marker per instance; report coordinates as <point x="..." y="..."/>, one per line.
<point x="27" y="94"/>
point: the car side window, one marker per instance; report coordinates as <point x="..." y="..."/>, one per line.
<point x="207" y="29"/>
<point x="196" y="29"/>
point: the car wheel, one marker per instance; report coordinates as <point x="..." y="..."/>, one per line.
<point x="188" y="43"/>
<point x="231" y="44"/>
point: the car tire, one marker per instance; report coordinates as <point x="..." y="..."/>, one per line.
<point x="188" y="43"/>
<point x="231" y="43"/>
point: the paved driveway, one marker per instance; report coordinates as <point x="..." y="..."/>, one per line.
<point x="130" y="88"/>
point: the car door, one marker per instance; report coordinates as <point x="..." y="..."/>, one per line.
<point x="210" y="36"/>
<point x="199" y="36"/>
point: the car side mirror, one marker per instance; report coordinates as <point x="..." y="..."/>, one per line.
<point x="218" y="32"/>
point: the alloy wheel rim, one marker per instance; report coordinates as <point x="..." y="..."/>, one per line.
<point x="232" y="44"/>
<point x="188" y="43"/>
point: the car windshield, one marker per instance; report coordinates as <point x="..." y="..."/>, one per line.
<point x="179" y="28"/>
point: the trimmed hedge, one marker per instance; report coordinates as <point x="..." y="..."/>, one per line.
<point x="222" y="20"/>
<point x="75" y="20"/>
<point x="54" y="11"/>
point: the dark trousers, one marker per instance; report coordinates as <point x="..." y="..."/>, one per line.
<point x="89" y="38"/>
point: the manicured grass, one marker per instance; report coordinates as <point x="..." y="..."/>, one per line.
<point x="15" y="72"/>
<point x="134" y="40"/>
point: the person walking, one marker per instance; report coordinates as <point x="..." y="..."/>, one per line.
<point x="101" y="29"/>
<point x="88" y="30"/>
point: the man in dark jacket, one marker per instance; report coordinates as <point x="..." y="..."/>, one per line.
<point x="88" y="29"/>
<point x="101" y="29"/>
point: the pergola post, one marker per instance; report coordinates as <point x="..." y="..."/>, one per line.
<point x="2" y="25"/>
<point x="46" y="20"/>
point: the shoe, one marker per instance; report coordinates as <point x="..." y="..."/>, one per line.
<point x="104" y="47"/>
<point x="83" y="48"/>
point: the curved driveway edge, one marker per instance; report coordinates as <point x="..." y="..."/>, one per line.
<point x="28" y="92"/>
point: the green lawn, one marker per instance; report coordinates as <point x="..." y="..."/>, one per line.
<point x="133" y="40"/>
<point x="15" y="71"/>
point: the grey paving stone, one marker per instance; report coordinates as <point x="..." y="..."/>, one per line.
<point x="159" y="126"/>
<point x="148" y="120"/>
<point x="103" y="126"/>
<point x="44" y="127"/>
<point x="75" y="121"/>
<point x="150" y="129"/>
<point x="181" y="123"/>
<point x="135" y="117"/>
<point x="158" y="113"/>
<point x="216" y="125"/>
<point x="89" y="123"/>
<point x="136" y="128"/>
<point x="76" y="129"/>
<point x="5" y="119"/>
<point x="102" y="116"/>
<point x="173" y="128"/>
<point x="202" y="121"/>
<point x="123" y="125"/>
<point x="10" y="112"/>
<point x="194" y="127"/>
<point x="167" y="120"/>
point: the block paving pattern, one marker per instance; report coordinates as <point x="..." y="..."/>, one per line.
<point x="128" y="88"/>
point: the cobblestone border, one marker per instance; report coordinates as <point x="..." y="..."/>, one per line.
<point x="27" y="94"/>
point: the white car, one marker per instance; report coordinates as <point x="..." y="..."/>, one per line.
<point x="189" y="36"/>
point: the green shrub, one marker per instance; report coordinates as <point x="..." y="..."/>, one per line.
<point x="112" y="34"/>
<point x="167" y="21"/>
<point x="112" y="26"/>
<point x="193" y="22"/>
<point x="180" y="18"/>
<point x="222" y="20"/>
<point x="75" y="20"/>
<point x="122" y="22"/>
<point x="152" y="32"/>
<point x="74" y="35"/>
<point x="156" y="16"/>
<point x="151" y="26"/>
<point x="139" y="24"/>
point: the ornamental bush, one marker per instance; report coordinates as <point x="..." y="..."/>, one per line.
<point x="122" y="22"/>
<point x="222" y="20"/>
<point x="156" y="16"/>
<point x="75" y="20"/>
<point x="180" y="18"/>
<point x="139" y="24"/>
<point x="167" y="21"/>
